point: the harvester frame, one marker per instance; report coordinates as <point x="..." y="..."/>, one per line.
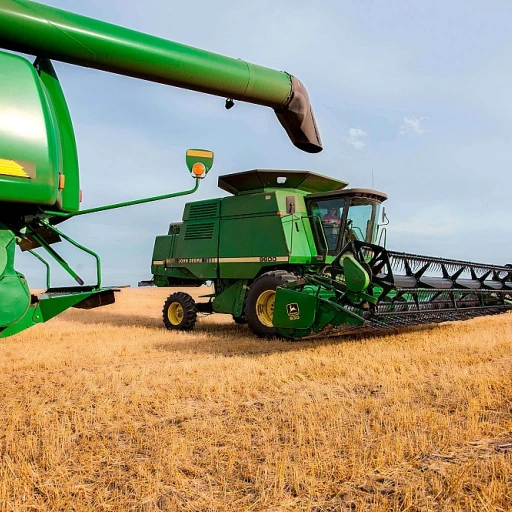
<point x="294" y="253"/>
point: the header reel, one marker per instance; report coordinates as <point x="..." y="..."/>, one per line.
<point x="368" y="287"/>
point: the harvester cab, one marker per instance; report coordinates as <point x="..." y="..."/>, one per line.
<point x="294" y="253"/>
<point x="345" y="216"/>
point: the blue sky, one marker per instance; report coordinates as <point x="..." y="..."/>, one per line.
<point x="414" y="94"/>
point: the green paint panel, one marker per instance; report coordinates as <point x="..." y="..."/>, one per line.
<point x="14" y="291"/>
<point x="25" y="322"/>
<point x="356" y="277"/>
<point x="297" y="228"/>
<point x="162" y="249"/>
<point x="298" y="312"/>
<point x="253" y="205"/>
<point x="260" y="239"/>
<point x="341" y="316"/>
<point x="294" y="309"/>
<point x="231" y="300"/>
<point x="29" y="138"/>
<point x="68" y="199"/>
<point x="299" y="239"/>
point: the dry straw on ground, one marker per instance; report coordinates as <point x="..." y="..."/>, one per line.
<point x="105" y="410"/>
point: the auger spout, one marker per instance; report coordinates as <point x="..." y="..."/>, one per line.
<point x="52" y="33"/>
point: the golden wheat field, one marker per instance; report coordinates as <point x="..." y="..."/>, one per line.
<point x="105" y="410"/>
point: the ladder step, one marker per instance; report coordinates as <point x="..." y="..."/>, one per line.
<point x="69" y="289"/>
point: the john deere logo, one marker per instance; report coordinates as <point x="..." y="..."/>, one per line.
<point x="292" y="309"/>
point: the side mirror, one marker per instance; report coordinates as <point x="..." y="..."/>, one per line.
<point x="384" y="216"/>
<point x="199" y="162"/>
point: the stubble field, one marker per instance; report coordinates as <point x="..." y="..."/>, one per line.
<point x="106" y="410"/>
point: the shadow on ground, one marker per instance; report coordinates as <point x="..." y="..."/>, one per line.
<point x="224" y="338"/>
<point x="115" y="319"/>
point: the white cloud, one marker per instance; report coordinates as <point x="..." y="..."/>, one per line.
<point x="355" y="138"/>
<point x="413" y="124"/>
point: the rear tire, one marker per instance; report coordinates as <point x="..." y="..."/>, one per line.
<point x="259" y="306"/>
<point x="179" y="312"/>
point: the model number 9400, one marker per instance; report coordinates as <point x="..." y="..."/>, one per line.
<point x="266" y="259"/>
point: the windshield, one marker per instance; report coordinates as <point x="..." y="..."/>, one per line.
<point x="360" y="225"/>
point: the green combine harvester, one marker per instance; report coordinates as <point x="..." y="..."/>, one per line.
<point x="291" y="253"/>
<point x="39" y="175"/>
<point x="294" y="253"/>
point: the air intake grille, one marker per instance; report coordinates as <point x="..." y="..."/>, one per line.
<point x="203" y="231"/>
<point x="203" y="211"/>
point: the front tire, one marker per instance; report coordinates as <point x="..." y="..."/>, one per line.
<point x="259" y="306"/>
<point x="180" y="312"/>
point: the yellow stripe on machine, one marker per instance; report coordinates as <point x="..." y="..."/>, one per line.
<point x="255" y="259"/>
<point x="203" y="154"/>
<point x="12" y="168"/>
<point x="247" y="259"/>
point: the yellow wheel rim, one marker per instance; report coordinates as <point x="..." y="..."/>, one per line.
<point x="265" y="307"/>
<point x="175" y="313"/>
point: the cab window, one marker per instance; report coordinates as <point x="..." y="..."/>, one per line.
<point x="330" y="212"/>
<point x="360" y="221"/>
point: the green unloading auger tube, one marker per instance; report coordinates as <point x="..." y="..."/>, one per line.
<point x="52" y="33"/>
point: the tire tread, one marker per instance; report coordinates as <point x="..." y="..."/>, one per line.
<point x="189" y="309"/>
